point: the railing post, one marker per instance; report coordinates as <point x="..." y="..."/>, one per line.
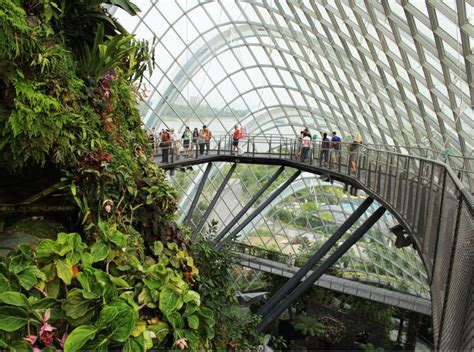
<point x="377" y="172"/>
<point x="171" y="151"/>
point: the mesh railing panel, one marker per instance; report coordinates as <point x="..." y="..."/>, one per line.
<point x="457" y="323"/>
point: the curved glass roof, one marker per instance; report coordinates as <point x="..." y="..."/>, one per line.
<point x="398" y="72"/>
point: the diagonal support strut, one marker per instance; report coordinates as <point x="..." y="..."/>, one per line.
<point x="248" y="205"/>
<point x="257" y="211"/>
<point x="303" y="286"/>
<point x="214" y="200"/>
<point x="295" y="279"/>
<point x="198" y="194"/>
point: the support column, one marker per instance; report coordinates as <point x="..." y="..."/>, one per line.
<point x="259" y="209"/>
<point x="295" y="279"/>
<point x="198" y="194"/>
<point x="214" y="200"/>
<point x="303" y="286"/>
<point x="248" y="205"/>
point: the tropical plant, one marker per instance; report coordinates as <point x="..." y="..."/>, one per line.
<point x="309" y="326"/>
<point x="110" y="295"/>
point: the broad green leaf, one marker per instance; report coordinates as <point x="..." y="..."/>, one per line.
<point x="169" y="301"/>
<point x="18" y="263"/>
<point x="76" y="305"/>
<point x="193" y="322"/>
<point x="192" y="337"/>
<point x="152" y="284"/>
<point x="12" y="318"/>
<point x="123" y="325"/>
<point x="175" y="320"/>
<point x="64" y="270"/>
<point x="99" y="251"/>
<point x="118" y="238"/>
<point x="192" y="296"/>
<point x="52" y="288"/>
<point x="14" y="299"/>
<point x="157" y="248"/>
<point x="27" y="279"/>
<point x="86" y="259"/>
<point x="107" y="314"/>
<point x="161" y="329"/>
<point x="147" y="340"/>
<point x="206" y="313"/>
<point x="79" y="336"/>
<point x="5" y="284"/>
<point x="190" y="309"/>
<point x="118" y="281"/>
<point x="46" y="248"/>
<point x="134" y="344"/>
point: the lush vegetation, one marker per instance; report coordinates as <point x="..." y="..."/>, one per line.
<point x="123" y="276"/>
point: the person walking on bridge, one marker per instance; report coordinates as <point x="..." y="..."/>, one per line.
<point x="305" y="147"/>
<point x="235" y="140"/>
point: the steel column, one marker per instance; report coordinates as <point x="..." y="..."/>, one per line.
<point x="295" y="279"/>
<point x="248" y="205"/>
<point x="198" y="194"/>
<point x="303" y="286"/>
<point x="259" y="209"/>
<point x="214" y="200"/>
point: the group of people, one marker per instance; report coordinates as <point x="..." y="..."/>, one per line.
<point x="330" y="148"/>
<point x="198" y="142"/>
<point x="169" y="140"/>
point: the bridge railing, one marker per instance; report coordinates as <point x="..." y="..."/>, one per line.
<point x="426" y="196"/>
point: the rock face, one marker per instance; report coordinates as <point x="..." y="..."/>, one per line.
<point x="29" y="230"/>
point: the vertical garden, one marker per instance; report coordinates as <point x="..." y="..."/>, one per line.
<point x="120" y="274"/>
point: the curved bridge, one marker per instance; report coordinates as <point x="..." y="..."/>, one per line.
<point x="434" y="209"/>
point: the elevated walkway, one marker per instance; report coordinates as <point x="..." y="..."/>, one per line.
<point x="434" y="209"/>
<point x="350" y="287"/>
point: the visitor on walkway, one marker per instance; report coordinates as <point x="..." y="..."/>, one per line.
<point x="195" y="140"/>
<point x="201" y="142"/>
<point x="336" y="147"/>
<point x="305" y="147"/>
<point x="165" y="145"/>
<point x="186" y="137"/>
<point x="176" y="140"/>
<point x="207" y="137"/>
<point x="325" y="145"/>
<point x="299" y="143"/>
<point x="235" y="140"/>
<point x="354" y="152"/>
<point x="306" y="131"/>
